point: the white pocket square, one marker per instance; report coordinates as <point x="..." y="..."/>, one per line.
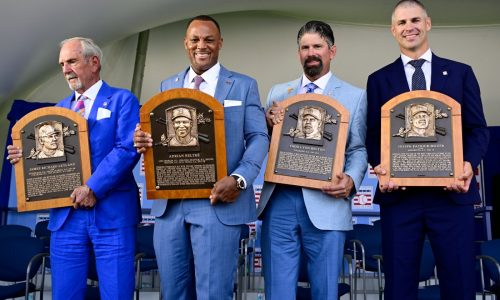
<point x="103" y="113"/>
<point x="229" y="103"/>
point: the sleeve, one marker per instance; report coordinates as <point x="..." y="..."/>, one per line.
<point x="475" y="132"/>
<point x="356" y="156"/>
<point x="119" y="162"/>
<point x="255" y="134"/>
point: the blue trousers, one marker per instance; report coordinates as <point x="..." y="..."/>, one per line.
<point x="196" y="253"/>
<point x="450" y="230"/>
<point x="69" y="254"/>
<point x="286" y="232"/>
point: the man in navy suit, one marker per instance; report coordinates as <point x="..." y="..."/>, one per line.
<point x="298" y="220"/>
<point x="106" y="208"/>
<point x="207" y="231"/>
<point x="409" y="215"/>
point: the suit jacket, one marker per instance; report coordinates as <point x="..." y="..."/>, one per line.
<point x="247" y="141"/>
<point x="112" y="157"/>
<point x="449" y="77"/>
<point x="324" y="211"/>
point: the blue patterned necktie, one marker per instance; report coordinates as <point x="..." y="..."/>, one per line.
<point x="310" y="87"/>
<point x="80" y="105"/>
<point x="418" y="78"/>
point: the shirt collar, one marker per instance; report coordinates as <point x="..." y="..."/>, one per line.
<point x="210" y="76"/>
<point x="91" y="92"/>
<point x="320" y="82"/>
<point x="427" y="56"/>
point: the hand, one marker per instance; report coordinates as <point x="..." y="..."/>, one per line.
<point x="83" y="196"/>
<point x="224" y="190"/>
<point x="387" y="187"/>
<point x="275" y="114"/>
<point x="466" y="177"/>
<point x="342" y="189"/>
<point x="142" y="140"/>
<point x="15" y="154"/>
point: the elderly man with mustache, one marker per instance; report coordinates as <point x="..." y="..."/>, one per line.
<point x="106" y="208"/>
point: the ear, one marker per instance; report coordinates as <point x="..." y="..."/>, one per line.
<point x="333" y="51"/>
<point x="393" y="30"/>
<point x="221" y="41"/>
<point x="186" y="43"/>
<point x="95" y="63"/>
<point x="428" y="23"/>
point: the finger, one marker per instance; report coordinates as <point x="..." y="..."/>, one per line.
<point x="213" y="200"/>
<point x="141" y="150"/>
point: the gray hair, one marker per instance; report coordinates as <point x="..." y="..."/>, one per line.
<point x="89" y="47"/>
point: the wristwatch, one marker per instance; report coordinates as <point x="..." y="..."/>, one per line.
<point x="240" y="182"/>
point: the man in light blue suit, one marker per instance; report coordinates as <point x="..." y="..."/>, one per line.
<point x="297" y="219"/>
<point x="207" y="231"/>
<point x="106" y="209"/>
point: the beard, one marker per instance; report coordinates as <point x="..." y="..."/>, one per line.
<point x="312" y="71"/>
<point x="76" y="85"/>
<point x="308" y="129"/>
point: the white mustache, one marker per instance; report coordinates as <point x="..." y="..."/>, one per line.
<point x="71" y="76"/>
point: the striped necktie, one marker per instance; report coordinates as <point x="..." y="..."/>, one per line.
<point x="80" y="105"/>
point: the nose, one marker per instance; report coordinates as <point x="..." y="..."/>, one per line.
<point x="201" y="44"/>
<point x="65" y="68"/>
<point x="311" y="52"/>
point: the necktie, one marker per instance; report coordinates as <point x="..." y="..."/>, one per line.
<point x="197" y="81"/>
<point x="80" y="105"/>
<point x="310" y="87"/>
<point x="418" y="78"/>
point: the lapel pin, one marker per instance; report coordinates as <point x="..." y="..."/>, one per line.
<point x="176" y="79"/>
<point x="445" y="73"/>
<point x="105" y="104"/>
<point x="290" y="90"/>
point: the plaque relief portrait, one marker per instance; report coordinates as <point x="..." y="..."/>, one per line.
<point x="310" y="123"/>
<point x="182" y="130"/>
<point x="48" y="140"/>
<point x="420" y="121"/>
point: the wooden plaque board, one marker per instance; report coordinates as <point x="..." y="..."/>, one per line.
<point x="56" y="157"/>
<point x="184" y="162"/>
<point x="308" y="154"/>
<point x="421" y="140"/>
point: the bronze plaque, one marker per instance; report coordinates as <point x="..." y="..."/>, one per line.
<point x="307" y="148"/>
<point x="55" y="148"/>
<point x="189" y="151"/>
<point x="421" y="139"/>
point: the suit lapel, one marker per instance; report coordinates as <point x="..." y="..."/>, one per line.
<point x="439" y="73"/>
<point x="178" y="82"/>
<point x="293" y="88"/>
<point x="396" y="77"/>
<point x="224" y="85"/>
<point x="66" y="103"/>
<point x="333" y="84"/>
<point x="102" y="100"/>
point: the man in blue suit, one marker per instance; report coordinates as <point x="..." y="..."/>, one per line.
<point x="106" y="209"/>
<point x="304" y="220"/>
<point x="408" y="216"/>
<point x="199" y="230"/>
